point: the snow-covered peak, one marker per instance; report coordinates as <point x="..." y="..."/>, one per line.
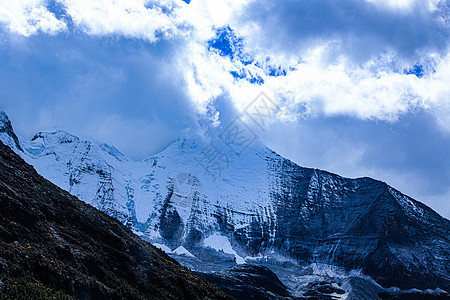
<point x="113" y="151"/>
<point x="7" y="135"/>
<point x="198" y="143"/>
<point x="55" y="137"/>
<point x="63" y="143"/>
<point x="3" y="118"/>
<point x="5" y="123"/>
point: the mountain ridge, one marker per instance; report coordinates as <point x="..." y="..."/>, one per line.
<point x="261" y="205"/>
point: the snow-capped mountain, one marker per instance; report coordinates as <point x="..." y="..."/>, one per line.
<point x="200" y="198"/>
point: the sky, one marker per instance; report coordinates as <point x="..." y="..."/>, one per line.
<point x="362" y="86"/>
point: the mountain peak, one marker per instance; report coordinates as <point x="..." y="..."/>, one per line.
<point x="4" y="120"/>
<point x="59" y="136"/>
<point x="6" y="129"/>
<point x="232" y="145"/>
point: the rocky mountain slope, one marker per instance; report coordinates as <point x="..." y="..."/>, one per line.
<point x="53" y="245"/>
<point x="199" y="198"/>
<point x="249" y="282"/>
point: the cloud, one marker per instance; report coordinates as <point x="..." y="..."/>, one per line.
<point x="28" y="17"/>
<point x="364" y="28"/>
<point x="132" y="18"/>
<point x="337" y="57"/>
<point x="139" y="73"/>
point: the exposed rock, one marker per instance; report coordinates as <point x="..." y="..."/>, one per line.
<point x="249" y="282"/>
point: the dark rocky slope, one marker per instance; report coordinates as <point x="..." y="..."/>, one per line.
<point x="53" y="245"/>
<point x="249" y="282"/>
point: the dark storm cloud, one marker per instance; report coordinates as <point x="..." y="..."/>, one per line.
<point x="364" y="28"/>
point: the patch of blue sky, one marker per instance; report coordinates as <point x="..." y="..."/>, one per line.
<point x="57" y="9"/>
<point x="238" y="74"/>
<point x="422" y="68"/>
<point x="227" y="44"/>
<point x="256" y="79"/>
<point x="417" y="70"/>
<point x="245" y="74"/>
<point x="275" y="72"/>
<point x="60" y="12"/>
<point x="271" y="69"/>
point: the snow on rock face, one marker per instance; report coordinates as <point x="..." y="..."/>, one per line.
<point x="163" y="247"/>
<point x="7" y="135"/>
<point x="222" y="243"/>
<point x="183" y="252"/>
<point x="259" y="204"/>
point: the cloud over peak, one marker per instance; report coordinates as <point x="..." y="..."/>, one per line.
<point x="365" y="58"/>
<point x="341" y="72"/>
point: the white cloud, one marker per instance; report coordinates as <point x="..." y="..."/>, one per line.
<point x="132" y="18"/>
<point x="375" y="90"/>
<point x="394" y="4"/>
<point x="325" y="77"/>
<point x="205" y="15"/>
<point x="27" y="17"/>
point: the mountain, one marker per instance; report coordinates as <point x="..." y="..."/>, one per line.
<point x="53" y="245"/>
<point x="198" y="198"/>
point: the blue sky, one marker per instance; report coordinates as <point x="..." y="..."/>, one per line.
<point x="362" y="85"/>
